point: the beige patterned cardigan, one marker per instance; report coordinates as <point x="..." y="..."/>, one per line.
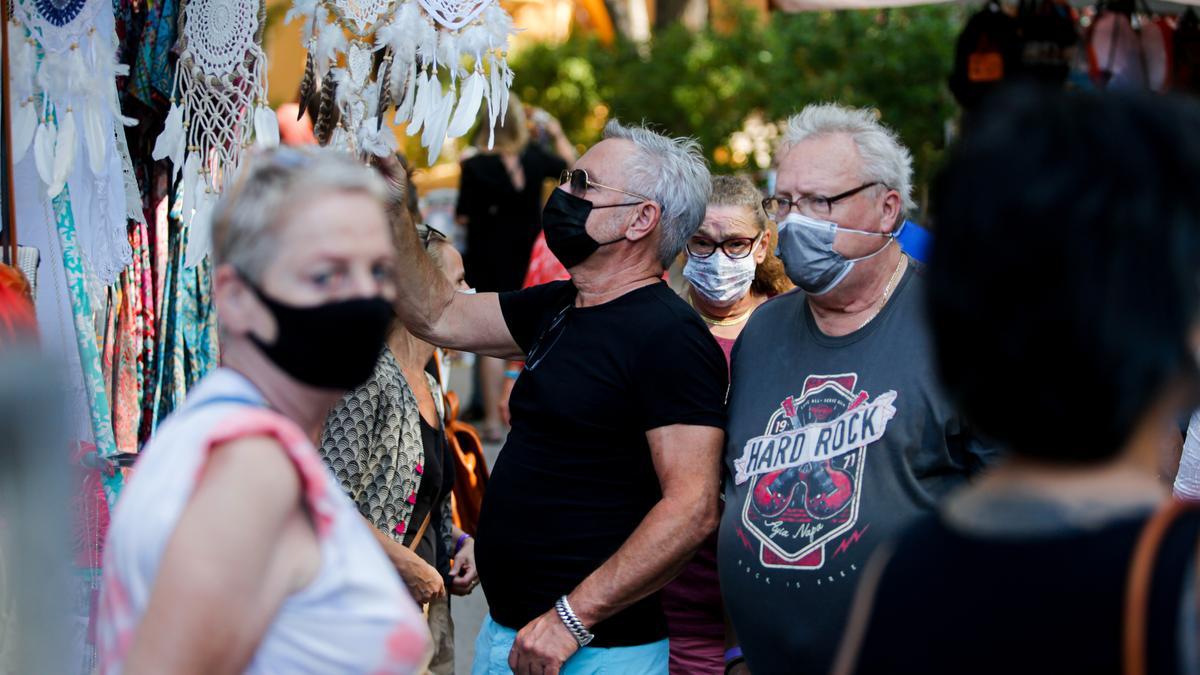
<point x="372" y="442"/>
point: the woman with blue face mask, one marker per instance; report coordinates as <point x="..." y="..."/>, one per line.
<point x="730" y="267"/>
<point x="730" y="271"/>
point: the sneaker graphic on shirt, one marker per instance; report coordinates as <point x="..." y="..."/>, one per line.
<point x="807" y="468"/>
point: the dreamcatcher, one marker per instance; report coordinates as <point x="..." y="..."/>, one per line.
<point x="67" y="65"/>
<point x="220" y="101"/>
<point x="396" y="55"/>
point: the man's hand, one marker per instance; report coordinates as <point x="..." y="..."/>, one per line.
<point x="542" y="647"/>
<point x="463" y="574"/>
<point x="423" y="581"/>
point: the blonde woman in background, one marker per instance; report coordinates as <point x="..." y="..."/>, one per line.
<point x="730" y="271"/>
<point x="500" y="203"/>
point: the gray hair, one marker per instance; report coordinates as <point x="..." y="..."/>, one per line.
<point x="672" y="172"/>
<point x="884" y="157"/>
<point x="249" y="216"/>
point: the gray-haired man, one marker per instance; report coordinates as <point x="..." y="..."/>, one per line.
<point x="608" y="482"/>
<point x="839" y="431"/>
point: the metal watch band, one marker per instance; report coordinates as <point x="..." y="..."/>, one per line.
<point x="572" y="622"/>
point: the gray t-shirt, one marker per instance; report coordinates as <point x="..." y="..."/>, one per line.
<point x="834" y="444"/>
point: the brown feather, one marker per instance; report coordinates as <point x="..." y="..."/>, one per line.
<point x="306" y="86"/>
<point x="328" y="112"/>
<point x="383" y="76"/>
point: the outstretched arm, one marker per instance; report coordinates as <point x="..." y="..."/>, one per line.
<point x="432" y="310"/>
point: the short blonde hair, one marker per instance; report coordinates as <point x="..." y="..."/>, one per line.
<point x="249" y="216"/>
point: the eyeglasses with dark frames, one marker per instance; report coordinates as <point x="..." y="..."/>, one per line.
<point x="735" y="248"/>
<point x="818" y="205"/>
<point x="579" y="182"/>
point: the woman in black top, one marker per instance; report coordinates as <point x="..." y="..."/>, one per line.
<point x="1065" y="310"/>
<point x="500" y="201"/>
<point x="386" y="443"/>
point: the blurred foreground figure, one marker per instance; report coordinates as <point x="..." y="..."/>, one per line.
<point x="233" y="549"/>
<point x="35" y="530"/>
<point x="1063" y="294"/>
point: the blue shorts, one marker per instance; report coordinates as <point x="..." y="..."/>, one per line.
<point x="495" y="642"/>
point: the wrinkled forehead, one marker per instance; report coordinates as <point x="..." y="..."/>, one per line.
<point x="723" y="222"/>
<point x="824" y="164"/>
<point x="605" y="161"/>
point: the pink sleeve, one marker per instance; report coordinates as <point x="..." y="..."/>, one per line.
<point x="314" y="478"/>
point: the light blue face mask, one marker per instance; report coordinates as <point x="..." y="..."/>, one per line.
<point x="806" y="249"/>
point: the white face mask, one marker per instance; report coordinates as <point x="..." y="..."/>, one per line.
<point x="720" y="279"/>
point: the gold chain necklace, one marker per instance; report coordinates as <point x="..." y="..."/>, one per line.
<point x="887" y="292"/>
<point x="713" y="321"/>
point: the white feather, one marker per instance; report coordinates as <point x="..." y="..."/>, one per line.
<point x="43" y="152"/>
<point x="24" y="126"/>
<point x="168" y="142"/>
<point x="94" y="138"/>
<point x="474" y="41"/>
<point x="191" y="184"/>
<point x="499" y="25"/>
<point x="266" y="127"/>
<point x="200" y="230"/>
<point x="421" y="103"/>
<point x="425" y="39"/>
<point x="404" y="111"/>
<point x="468" y="106"/>
<point x="435" y="128"/>
<point x="448" y="55"/>
<point x="65" y="145"/>
<point x="330" y="43"/>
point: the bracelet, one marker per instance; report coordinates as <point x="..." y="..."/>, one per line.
<point x="461" y="540"/>
<point x="730" y="665"/>
<point x="512" y="374"/>
<point x="572" y="622"/>
<point x="734" y="652"/>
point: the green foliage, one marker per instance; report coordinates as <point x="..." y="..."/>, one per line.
<point x="706" y="84"/>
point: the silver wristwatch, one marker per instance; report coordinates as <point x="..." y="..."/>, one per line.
<point x="572" y="622"/>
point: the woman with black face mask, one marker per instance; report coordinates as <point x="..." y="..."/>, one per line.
<point x="386" y="442"/>
<point x="235" y="550"/>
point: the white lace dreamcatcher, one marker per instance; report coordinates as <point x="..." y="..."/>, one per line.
<point x="420" y="41"/>
<point x="220" y="100"/>
<point x="63" y="56"/>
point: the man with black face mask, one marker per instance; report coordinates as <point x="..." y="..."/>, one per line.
<point x="839" y="431"/>
<point x="608" y="481"/>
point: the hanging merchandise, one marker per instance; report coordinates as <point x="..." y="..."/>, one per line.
<point x="988" y="50"/>
<point x="1048" y="41"/>
<point x="396" y="55"/>
<point x="63" y="65"/>
<point x="220" y="101"/>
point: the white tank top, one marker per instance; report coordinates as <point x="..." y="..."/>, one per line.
<point x="354" y="617"/>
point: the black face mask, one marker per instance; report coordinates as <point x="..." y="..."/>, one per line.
<point x="331" y="346"/>
<point x="564" y="221"/>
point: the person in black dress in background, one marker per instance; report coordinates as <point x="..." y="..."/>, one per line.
<point x="500" y="203"/>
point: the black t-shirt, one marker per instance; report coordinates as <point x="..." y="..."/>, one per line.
<point x="575" y="478"/>
<point x="437" y="481"/>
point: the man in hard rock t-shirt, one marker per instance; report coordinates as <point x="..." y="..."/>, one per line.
<point x="839" y="432"/>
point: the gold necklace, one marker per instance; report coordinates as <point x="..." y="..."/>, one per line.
<point x="732" y="321"/>
<point x="713" y="321"/>
<point x="887" y="292"/>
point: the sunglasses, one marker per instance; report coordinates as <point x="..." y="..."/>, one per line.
<point x="428" y="233"/>
<point x="580" y="182"/>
